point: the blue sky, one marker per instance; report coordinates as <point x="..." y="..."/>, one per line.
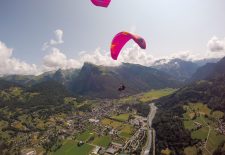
<point x="169" y="26"/>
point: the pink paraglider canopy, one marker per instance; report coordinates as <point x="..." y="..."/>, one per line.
<point x="121" y="39"/>
<point x="102" y="3"/>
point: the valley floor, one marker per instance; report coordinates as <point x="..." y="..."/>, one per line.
<point x="88" y="127"/>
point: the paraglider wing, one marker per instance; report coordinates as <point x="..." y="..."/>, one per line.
<point x="102" y="3"/>
<point x="121" y="39"/>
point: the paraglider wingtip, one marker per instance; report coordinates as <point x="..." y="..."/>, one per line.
<point x="101" y="3"/>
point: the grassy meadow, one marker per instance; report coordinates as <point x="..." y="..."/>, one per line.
<point x="201" y="121"/>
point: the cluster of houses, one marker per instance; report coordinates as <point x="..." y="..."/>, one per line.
<point x="221" y="126"/>
<point x="131" y="146"/>
<point x="77" y="123"/>
<point x="113" y="149"/>
<point x="136" y="141"/>
<point x="138" y="121"/>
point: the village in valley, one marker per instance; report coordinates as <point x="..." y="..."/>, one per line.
<point x="79" y="126"/>
<point x="94" y="127"/>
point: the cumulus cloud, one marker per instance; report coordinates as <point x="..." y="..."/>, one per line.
<point x="11" y="65"/>
<point x="215" y="49"/>
<point x="129" y="55"/>
<point x="136" y="55"/>
<point x="98" y="57"/>
<point x="58" y="35"/>
<point x="216" y="45"/>
<point x="58" y="39"/>
<point x="185" y="55"/>
<point x="56" y="59"/>
<point x="189" y="56"/>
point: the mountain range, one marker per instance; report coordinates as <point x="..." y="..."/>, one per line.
<point x="103" y="81"/>
<point x="180" y="69"/>
<point x="209" y="70"/>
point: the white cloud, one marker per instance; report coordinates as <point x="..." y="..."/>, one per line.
<point x="136" y="55"/>
<point x="190" y="56"/>
<point x="58" y="39"/>
<point x="129" y="55"/>
<point x="143" y="57"/>
<point x="216" y="45"/>
<point x="11" y="65"/>
<point x="5" y="52"/>
<point x="58" y="36"/>
<point x="210" y="55"/>
<point x="56" y="59"/>
<point x="215" y="49"/>
<point x="185" y="55"/>
<point x="97" y="57"/>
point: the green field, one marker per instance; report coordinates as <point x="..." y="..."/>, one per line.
<point x="70" y="148"/>
<point x="200" y="134"/>
<point x="190" y="150"/>
<point x="85" y="136"/>
<point x="121" y="117"/>
<point x="155" y="94"/>
<point x="167" y="151"/>
<point x="189" y="124"/>
<point x="147" y="96"/>
<point x="125" y="130"/>
<point x="214" y="140"/>
<point x="200" y="113"/>
<point x="4" y="135"/>
<point x="112" y="123"/>
<point x="217" y="114"/>
<point x="103" y="141"/>
<point x="3" y="124"/>
<point x="126" y="99"/>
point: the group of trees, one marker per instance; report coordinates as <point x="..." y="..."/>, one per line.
<point x="141" y="108"/>
<point x="210" y="92"/>
<point x="52" y="144"/>
<point x="48" y="95"/>
<point x="170" y="131"/>
<point x="47" y="101"/>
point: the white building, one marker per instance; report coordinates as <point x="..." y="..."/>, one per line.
<point x="95" y="151"/>
<point x="28" y="151"/>
<point x="93" y="120"/>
